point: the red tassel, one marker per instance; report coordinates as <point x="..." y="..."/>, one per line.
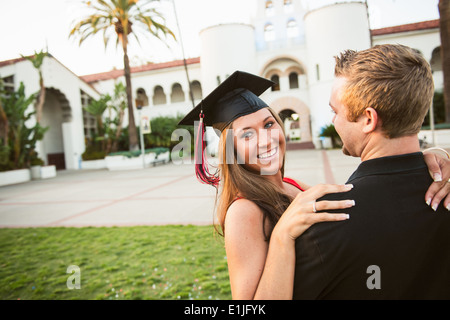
<point x="201" y="163"/>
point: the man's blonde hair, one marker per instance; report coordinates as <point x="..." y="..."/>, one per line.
<point x="395" y="80"/>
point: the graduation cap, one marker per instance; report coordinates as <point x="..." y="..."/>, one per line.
<point x="237" y="96"/>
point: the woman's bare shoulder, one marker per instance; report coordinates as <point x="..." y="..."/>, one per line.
<point x="243" y="215"/>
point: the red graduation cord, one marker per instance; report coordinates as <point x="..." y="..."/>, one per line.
<point x="201" y="163"/>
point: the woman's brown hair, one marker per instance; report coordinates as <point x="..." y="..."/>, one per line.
<point x="237" y="180"/>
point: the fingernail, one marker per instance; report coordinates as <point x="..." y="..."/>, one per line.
<point x="428" y="201"/>
<point x="345" y="216"/>
<point x="349" y="186"/>
<point x="434" y="207"/>
<point x="350" y="203"/>
<point x="448" y="207"/>
<point x="437" y="177"/>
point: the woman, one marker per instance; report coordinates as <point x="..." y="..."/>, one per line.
<point x="256" y="212"/>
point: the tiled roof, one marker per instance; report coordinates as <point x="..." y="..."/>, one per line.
<point x="113" y="74"/>
<point x="424" y="25"/>
<point x="9" y="62"/>
<point x="49" y="55"/>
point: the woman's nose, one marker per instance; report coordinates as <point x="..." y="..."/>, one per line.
<point x="267" y="137"/>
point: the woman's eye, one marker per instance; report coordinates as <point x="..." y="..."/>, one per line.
<point x="247" y="135"/>
<point x="268" y="125"/>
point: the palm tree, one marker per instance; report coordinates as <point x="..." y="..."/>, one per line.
<point x="444" y="26"/>
<point x="37" y="61"/>
<point x="122" y="18"/>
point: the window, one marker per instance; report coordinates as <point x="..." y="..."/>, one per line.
<point x="196" y="89"/>
<point x="141" y="97"/>
<point x="270" y="10"/>
<point x="89" y="121"/>
<point x="292" y="29"/>
<point x="8" y="84"/>
<point x="275" y="78"/>
<point x="159" y="97"/>
<point x="293" y="80"/>
<point x="269" y="32"/>
<point x="177" y="94"/>
<point x="288" y="6"/>
<point x="436" y="62"/>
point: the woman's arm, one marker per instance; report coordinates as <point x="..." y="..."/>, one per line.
<point x="246" y="248"/>
<point x="261" y="270"/>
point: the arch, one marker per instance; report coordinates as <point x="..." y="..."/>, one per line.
<point x="141" y="97"/>
<point x="294" y="63"/>
<point x="159" y="97"/>
<point x="55" y="112"/>
<point x="177" y="94"/>
<point x="272" y="72"/>
<point x="269" y="32"/>
<point x="291" y="122"/>
<point x="288" y="106"/>
<point x="292" y="28"/>
<point x="196" y="88"/>
<point x="275" y="78"/>
<point x="64" y="104"/>
<point x="293" y="80"/>
<point x="269" y="7"/>
<point x="297" y="69"/>
<point x="436" y="62"/>
<point x="288" y="6"/>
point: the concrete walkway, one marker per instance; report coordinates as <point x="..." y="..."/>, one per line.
<point x="165" y="194"/>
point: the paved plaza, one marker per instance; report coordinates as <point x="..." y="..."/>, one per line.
<point x="165" y="194"/>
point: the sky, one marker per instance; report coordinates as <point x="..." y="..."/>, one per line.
<point x="32" y="25"/>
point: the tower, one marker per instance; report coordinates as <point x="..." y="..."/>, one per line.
<point x="226" y="48"/>
<point x="330" y="30"/>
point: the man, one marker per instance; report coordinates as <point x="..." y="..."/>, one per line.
<point x="394" y="246"/>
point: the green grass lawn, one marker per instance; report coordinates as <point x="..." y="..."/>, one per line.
<point x="149" y="262"/>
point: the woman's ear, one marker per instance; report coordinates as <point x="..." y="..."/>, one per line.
<point x="371" y="120"/>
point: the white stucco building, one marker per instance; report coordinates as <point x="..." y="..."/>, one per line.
<point x="66" y="94"/>
<point x="285" y="43"/>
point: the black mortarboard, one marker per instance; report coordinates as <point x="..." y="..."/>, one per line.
<point x="237" y="96"/>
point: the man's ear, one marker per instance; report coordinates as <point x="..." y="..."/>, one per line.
<point x="371" y="120"/>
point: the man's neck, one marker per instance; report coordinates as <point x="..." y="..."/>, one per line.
<point x="379" y="146"/>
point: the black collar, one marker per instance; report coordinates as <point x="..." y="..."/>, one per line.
<point x="389" y="165"/>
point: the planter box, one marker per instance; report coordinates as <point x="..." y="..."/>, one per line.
<point x="327" y="143"/>
<point x="43" y="172"/>
<point x="35" y="172"/>
<point x="48" y="172"/>
<point x="125" y="163"/>
<point x="14" y="176"/>
<point x="161" y="158"/>
<point x="441" y="136"/>
<point x="93" y="164"/>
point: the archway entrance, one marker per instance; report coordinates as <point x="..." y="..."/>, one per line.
<point x="291" y="122"/>
<point x="56" y="111"/>
<point x="297" y="124"/>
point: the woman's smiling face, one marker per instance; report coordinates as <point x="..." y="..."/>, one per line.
<point x="259" y="142"/>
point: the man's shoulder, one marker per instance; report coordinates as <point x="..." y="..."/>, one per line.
<point x="360" y="186"/>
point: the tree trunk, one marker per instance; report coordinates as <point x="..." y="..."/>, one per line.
<point x="444" y="26"/>
<point x="4" y="126"/>
<point x="132" y="132"/>
<point x="41" y="99"/>
<point x="118" y="132"/>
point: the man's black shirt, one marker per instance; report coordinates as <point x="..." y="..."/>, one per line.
<point x="392" y="240"/>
